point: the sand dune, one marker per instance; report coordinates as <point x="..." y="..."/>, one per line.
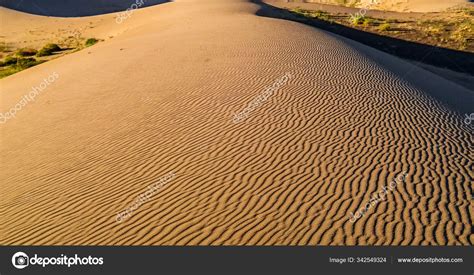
<point x="160" y="98"/>
<point x="25" y="30"/>
<point x="72" y="8"/>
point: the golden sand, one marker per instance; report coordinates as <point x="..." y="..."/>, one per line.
<point x="160" y="97"/>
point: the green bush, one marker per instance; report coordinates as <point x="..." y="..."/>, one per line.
<point x="8" y="71"/>
<point x="49" y="49"/>
<point x="43" y="52"/>
<point x="357" y="19"/>
<point x="367" y="21"/>
<point x="4" y="47"/>
<point x="10" y="60"/>
<point x="26" y="52"/>
<point x="321" y="15"/>
<point x="23" y="63"/>
<point x="91" y="41"/>
<point x="16" y="65"/>
<point x="384" y="27"/>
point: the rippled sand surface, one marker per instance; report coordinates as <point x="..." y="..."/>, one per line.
<point x="161" y="98"/>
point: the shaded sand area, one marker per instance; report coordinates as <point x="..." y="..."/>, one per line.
<point x="160" y="98"/>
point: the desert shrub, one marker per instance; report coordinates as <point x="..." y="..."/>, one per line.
<point x="26" y="52"/>
<point x="341" y="2"/>
<point x="10" y="60"/>
<point x="367" y="21"/>
<point x="467" y="11"/>
<point x="17" y="64"/>
<point x="49" y="49"/>
<point x="4" y="47"/>
<point x="320" y="15"/>
<point x="357" y="19"/>
<point x="8" y="71"/>
<point x="462" y="34"/>
<point x="297" y="10"/>
<point x="91" y="41"/>
<point x="23" y="63"/>
<point x="384" y="27"/>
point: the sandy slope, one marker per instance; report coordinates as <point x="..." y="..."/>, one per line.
<point x="19" y="29"/>
<point x="398" y="5"/>
<point x="159" y="98"/>
<point x="72" y="8"/>
<point x="418" y="5"/>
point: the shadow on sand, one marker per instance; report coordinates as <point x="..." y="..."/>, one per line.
<point x="449" y="94"/>
<point x="74" y="8"/>
<point x="445" y="58"/>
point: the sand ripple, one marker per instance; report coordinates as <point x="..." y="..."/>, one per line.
<point x="340" y="129"/>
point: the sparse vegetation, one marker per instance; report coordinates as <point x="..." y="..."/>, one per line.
<point x="434" y="28"/>
<point x="453" y="29"/>
<point x="17" y="59"/>
<point x="367" y="21"/>
<point x="24" y="63"/>
<point x="26" y="52"/>
<point x="321" y="15"/>
<point x="91" y="41"/>
<point x="357" y="19"/>
<point x="49" y="49"/>
<point x="8" y="71"/>
<point x="463" y="34"/>
<point x="466" y="11"/>
<point x="13" y="65"/>
<point x="9" y="60"/>
<point x="4" y="47"/>
<point x="342" y="2"/>
<point x="384" y="27"/>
